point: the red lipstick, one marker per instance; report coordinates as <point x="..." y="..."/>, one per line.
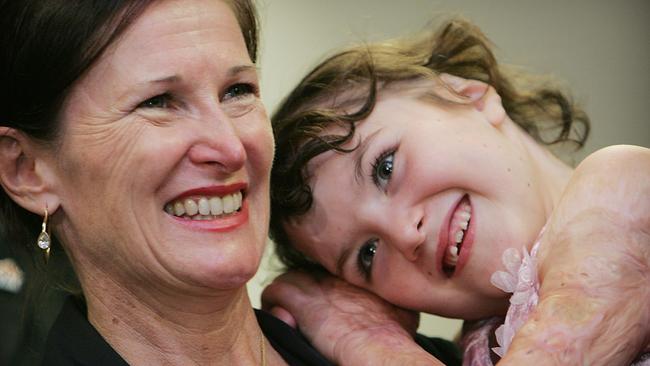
<point x="223" y="223"/>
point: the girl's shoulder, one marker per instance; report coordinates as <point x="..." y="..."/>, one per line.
<point x="623" y="159"/>
<point x="616" y="179"/>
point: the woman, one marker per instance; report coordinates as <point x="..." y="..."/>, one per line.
<point x="417" y="168"/>
<point x="133" y="139"/>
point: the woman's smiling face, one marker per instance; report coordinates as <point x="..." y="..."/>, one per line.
<point x="422" y="210"/>
<point x="167" y="119"/>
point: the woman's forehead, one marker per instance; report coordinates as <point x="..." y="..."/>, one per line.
<point x="186" y="25"/>
<point x="168" y="41"/>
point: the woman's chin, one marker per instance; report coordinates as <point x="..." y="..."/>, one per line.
<point x="223" y="274"/>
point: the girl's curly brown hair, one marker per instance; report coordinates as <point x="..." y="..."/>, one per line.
<point x="342" y="91"/>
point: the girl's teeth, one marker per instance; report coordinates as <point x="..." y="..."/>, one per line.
<point x="460" y="223"/>
<point x="169" y="208"/>
<point x="459" y="236"/>
<point x="451" y="257"/>
<point x="463" y="215"/>
<point x="453" y="250"/>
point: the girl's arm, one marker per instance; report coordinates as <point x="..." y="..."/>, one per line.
<point x="594" y="306"/>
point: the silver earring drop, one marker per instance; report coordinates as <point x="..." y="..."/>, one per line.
<point x="44" y="241"/>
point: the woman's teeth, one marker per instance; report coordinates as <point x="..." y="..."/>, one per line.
<point x="459" y="223"/>
<point x="205" y="208"/>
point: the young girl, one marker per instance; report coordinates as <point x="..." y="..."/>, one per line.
<point x="418" y="170"/>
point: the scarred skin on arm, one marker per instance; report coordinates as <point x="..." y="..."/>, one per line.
<point x="594" y="306"/>
<point x="348" y="325"/>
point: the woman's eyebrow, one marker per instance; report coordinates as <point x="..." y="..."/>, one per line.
<point x="233" y="71"/>
<point x="167" y="80"/>
<point x="359" y="154"/>
<point x="239" y="69"/>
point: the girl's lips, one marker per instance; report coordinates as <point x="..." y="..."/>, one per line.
<point x="444" y="237"/>
<point x="468" y="240"/>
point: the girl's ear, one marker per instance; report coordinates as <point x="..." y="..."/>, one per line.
<point x="481" y="95"/>
<point x="24" y="173"/>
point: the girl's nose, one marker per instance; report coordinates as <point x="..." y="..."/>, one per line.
<point x="406" y="234"/>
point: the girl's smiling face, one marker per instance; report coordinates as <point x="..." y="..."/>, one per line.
<point x="169" y="114"/>
<point x="422" y="210"/>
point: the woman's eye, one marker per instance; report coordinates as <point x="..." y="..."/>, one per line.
<point x="366" y="256"/>
<point x="239" y="90"/>
<point x="159" y="101"/>
<point x="382" y="169"/>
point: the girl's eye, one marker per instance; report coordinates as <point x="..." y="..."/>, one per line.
<point x="366" y="256"/>
<point x="382" y="169"/>
<point x="239" y="90"/>
<point x="159" y="101"/>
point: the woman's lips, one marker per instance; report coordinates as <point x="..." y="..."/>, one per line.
<point x="215" y="208"/>
<point x="218" y="224"/>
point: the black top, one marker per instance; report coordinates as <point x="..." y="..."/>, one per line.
<point x="74" y="341"/>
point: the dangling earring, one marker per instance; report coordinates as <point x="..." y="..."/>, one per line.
<point x="44" y="242"/>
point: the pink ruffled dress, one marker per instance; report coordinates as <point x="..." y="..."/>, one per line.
<point x="520" y="279"/>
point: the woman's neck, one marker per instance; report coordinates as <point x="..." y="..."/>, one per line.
<point x="220" y="329"/>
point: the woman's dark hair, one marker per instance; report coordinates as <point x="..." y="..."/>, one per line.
<point x="342" y="91"/>
<point x="47" y="46"/>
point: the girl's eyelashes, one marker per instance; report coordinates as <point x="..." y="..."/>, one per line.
<point x="240" y="90"/>
<point x="382" y="169"/>
<point x="159" y="101"/>
<point x="365" y="258"/>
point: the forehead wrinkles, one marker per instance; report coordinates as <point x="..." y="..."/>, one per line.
<point x="175" y="25"/>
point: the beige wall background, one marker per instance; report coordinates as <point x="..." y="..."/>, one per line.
<point x="601" y="49"/>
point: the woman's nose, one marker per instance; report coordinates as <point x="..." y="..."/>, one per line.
<point x="220" y="145"/>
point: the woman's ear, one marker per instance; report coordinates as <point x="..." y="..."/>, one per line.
<point x="24" y="172"/>
<point x="481" y="95"/>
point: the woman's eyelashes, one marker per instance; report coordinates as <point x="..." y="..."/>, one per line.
<point x="233" y="93"/>
<point x="365" y="258"/>
<point x="159" y="101"/>
<point x="240" y="90"/>
<point x="382" y="169"/>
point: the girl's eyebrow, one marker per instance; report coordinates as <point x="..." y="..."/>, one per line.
<point x="342" y="259"/>
<point x="359" y="154"/>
